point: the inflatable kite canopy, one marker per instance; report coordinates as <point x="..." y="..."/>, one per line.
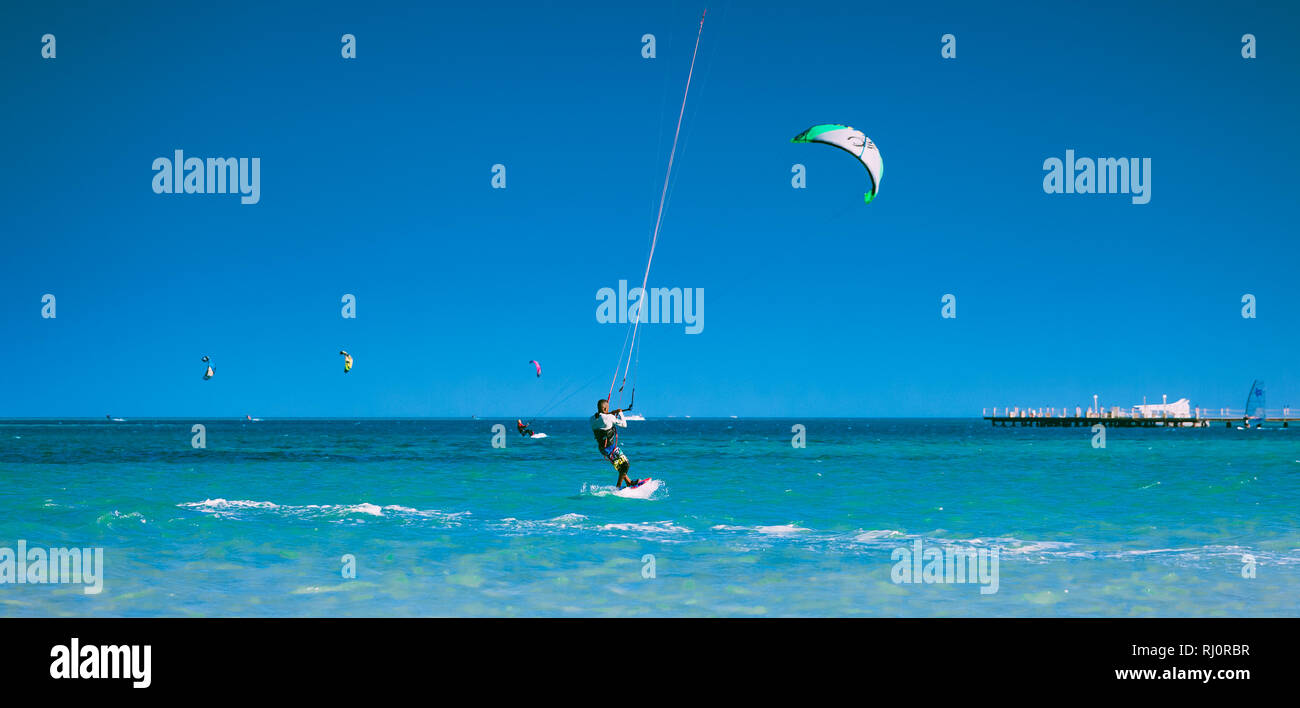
<point x="852" y="141"/>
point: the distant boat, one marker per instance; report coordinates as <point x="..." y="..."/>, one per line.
<point x="633" y="416"/>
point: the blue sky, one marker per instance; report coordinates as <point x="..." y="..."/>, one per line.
<point x="375" y="180"/>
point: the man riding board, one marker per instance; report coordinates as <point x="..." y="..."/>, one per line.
<point x="604" y="426"/>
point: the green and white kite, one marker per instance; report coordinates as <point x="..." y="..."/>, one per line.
<point x="853" y="142"/>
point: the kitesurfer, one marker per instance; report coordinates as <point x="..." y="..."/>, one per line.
<point x="603" y="426"/>
<point x="524" y="428"/>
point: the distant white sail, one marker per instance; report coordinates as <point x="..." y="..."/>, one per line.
<point x="1255" y="400"/>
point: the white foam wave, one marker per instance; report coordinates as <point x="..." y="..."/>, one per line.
<point x="782" y="530"/>
<point x="222" y="504"/>
<point x="648" y="527"/>
<point x="238" y="508"/>
<point x="876" y="535"/>
<point x="110" y="519"/>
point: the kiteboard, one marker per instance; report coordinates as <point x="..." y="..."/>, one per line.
<point x="641" y="491"/>
<point x="537" y="436"/>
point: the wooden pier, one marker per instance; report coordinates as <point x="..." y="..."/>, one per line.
<point x="1050" y="421"/>
<point x="1166" y="414"/>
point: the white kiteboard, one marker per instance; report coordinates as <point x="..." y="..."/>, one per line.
<point x="640" y="491"/>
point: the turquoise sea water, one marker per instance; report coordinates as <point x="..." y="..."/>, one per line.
<point x="442" y="523"/>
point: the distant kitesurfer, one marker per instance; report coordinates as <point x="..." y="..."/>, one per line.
<point x="524" y="428"/>
<point x="603" y="426"/>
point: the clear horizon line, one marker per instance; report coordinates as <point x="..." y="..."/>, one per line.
<point x="486" y="418"/>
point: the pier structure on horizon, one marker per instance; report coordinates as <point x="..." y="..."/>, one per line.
<point x="1136" y="417"/>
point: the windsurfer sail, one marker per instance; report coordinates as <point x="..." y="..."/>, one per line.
<point x="1255" y="404"/>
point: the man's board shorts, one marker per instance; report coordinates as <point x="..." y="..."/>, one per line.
<point x="614" y="455"/>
